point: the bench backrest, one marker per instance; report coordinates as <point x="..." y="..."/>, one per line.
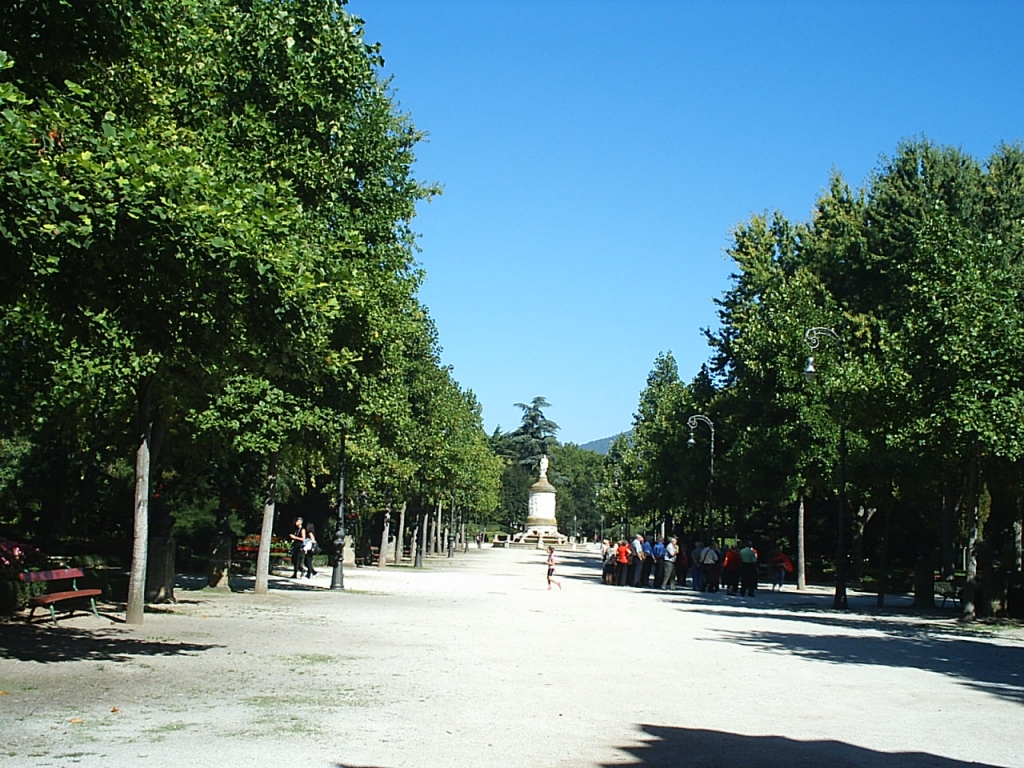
<point x="57" y="575"/>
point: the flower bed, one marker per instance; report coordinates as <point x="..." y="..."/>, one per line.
<point x="248" y="546"/>
<point x="15" y="557"/>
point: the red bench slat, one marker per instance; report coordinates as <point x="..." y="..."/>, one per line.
<point x="56" y="597"/>
<point x="57" y="575"/>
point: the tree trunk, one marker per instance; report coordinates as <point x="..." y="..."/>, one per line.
<point x="417" y="549"/>
<point x="801" y="561"/>
<point x="439" y="548"/>
<point x="969" y="612"/>
<point x="160" y="574"/>
<point x="424" y="536"/>
<point x="450" y="539"/>
<point x="992" y="602"/>
<point x="435" y="531"/>
<point x="382" y="558"/>
<point x="400" y="534"/>
<point x="860" y="522"/>
<point x="267" y="529"/>
<point x="1018" y="533"/>
<point x="219" y="570"/>
<point x="137" y="577"/>
<point x="949" y="509"/>
<point x="883" y="555"/>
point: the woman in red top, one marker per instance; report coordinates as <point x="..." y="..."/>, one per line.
<point x="781" y="565"/>
<point x="731" y="570"/>
<point x="621" y="563"/>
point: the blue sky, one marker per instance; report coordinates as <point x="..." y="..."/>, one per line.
<point x="596" y="154"/>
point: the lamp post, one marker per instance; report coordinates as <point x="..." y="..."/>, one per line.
<point x="338" y="572"/>
<point x="692" y="424"/>
<point x="813" y="338"/>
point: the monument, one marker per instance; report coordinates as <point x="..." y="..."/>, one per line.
<point x="541" y="526"/>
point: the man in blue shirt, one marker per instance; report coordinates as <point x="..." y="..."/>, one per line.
<point x="658" y="551"/>
<point x="648" y="564"/>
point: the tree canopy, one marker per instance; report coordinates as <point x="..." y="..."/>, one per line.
<point x="917" y="279"/>
<point x="209" y="274"/>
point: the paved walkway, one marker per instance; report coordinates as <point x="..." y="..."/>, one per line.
<point x="472" y="662"/>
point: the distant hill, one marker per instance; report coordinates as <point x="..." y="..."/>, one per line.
<point x="601" y="446"/>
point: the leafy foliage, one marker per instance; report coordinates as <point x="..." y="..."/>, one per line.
<point x="918" y="277"/>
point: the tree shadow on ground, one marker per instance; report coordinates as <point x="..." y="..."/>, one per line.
<point x="818" y="600"/>
<point x="668" y="747"/>
<point x="237" y="583"/>
<point x="49" y="645"/>
<point x="986" y="666"/>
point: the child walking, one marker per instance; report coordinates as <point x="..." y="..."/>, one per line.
<point x="551" y="568"/>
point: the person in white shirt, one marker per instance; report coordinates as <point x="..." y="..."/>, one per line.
<point x="636" y="561"/>
<point x="708" y="561"/>
<point x="671" y="553"/>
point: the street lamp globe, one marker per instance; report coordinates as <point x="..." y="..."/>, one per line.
<point x="810" y="372"/>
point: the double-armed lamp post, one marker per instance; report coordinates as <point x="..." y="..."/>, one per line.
<point x="692" y="424"/>
<point x="813" y="338"/>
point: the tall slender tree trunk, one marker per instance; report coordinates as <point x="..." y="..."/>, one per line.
<point x="422" y="547"/>
<point x="801" y="561"/>
<point x="162" y="547"/>
<point x="438" y="529"/>
<point x="949" y="509"/>
<point x="400" y="534"/>
<point x="267" y="529"/>
<point x="1018" y="532"/>
<point x="417" y="550"/>
<point x="450" y="538"/>
<point x="382" y="557"/>
<point x="883" y="555"/>
<point x="860" y="522"/>
<point x="160" y="570"/>
<point x="969" y="612"/>
<point x="137" y="577"/>
<point x="429" y="532"/>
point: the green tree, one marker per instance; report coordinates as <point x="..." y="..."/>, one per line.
<point x="228" y="190"/>
<point x="535" y="436"/>
<point x="577" y="472"/>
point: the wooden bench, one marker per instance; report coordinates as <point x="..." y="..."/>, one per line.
<point x="51" y="598"/>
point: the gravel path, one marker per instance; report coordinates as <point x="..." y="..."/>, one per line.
<point x="472" y="662"/>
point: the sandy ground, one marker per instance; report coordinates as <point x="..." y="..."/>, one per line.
<point x="473" y="662"/>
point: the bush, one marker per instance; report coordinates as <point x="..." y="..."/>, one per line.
<point x="15" y="557"/>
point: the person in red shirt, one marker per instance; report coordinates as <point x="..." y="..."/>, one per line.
<point x="731" y="570"/>
<point x="621" y="563"/>
<point x="781" y="565"/>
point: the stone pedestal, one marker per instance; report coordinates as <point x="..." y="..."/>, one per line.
<point x="541" y="526"/>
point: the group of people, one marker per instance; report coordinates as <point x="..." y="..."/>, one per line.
<point x="304" y="546"/>
<point x="710" y="567"/>
<point x="633" y="563"/>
